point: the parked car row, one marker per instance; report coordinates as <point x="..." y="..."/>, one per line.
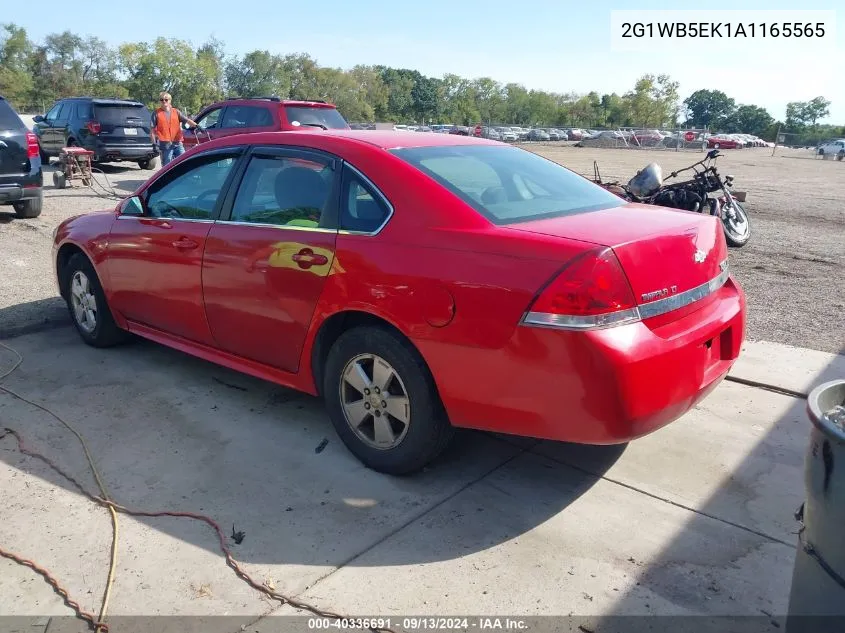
<point x="119" y="129"/>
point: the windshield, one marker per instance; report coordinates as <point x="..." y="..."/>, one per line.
<point x="507" y="184"/>
<point x="329" y="117"/>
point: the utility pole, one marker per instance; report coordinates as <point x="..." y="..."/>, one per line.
<point x="777" y="136"/>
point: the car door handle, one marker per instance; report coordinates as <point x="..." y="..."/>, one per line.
<point x="184" y="242"/>
<point x="306" y="258"/>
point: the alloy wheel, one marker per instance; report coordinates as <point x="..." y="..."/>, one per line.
<point x="84" y="302"/>
<point x="375" y="401"/>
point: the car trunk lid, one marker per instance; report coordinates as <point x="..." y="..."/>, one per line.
<point x="664" y="252"/>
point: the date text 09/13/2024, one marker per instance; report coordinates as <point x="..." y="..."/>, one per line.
<point x="419" y="623"/>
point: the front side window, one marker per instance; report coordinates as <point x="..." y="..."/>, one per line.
<point x="53" y="114"/>
<point x="285" y="191"/>
<point x="210" y="121"/>
<point x="191" y="193"/>
<point x="507" y="184"/>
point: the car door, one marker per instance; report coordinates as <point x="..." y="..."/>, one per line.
<point x="208" y="128"/>
<point x="47" y="132"/>
<point x="268" y="256"/>
<point x="154" y="259"/>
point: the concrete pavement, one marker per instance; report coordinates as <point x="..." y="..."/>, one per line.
<point x="694" y="519"/>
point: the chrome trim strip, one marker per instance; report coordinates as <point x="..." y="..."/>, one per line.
<point x="312" y="229"/>
<point x="380" y="195"/>
<point x="569" y="322"/>
<point x="662" y="306"/>
<point x="148" y="217"/>
<point x="632" y="315"/>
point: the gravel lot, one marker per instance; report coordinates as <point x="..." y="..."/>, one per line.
<point x="792" y="269"/>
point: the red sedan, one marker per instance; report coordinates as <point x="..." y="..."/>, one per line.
<point x="418" y="283"/>
<point x="722" y="142"/>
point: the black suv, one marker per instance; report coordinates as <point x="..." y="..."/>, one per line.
<point x="21" y="178"/>
<point x="114" y="129"/>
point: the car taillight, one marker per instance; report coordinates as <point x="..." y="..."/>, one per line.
<point x="31" y="145"/>
<point x="591" y="292"/>
<point x="93" y="127"/>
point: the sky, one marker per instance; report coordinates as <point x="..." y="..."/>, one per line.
<point x="549" y="45"/>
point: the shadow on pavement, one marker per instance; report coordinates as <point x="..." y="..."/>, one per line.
<point x="33" y="316"/>
<point x="691" y="577"/>
<point x="174" y="432"/>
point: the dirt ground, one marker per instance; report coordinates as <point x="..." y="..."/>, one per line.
<point x="792" y="268"/>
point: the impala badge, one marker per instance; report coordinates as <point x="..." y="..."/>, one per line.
<point x="699" y="256"/>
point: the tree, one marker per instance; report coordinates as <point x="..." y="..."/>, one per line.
<point x="15" y="50"/>
<point x="749" y="119"/>
<point x="258" y="73"/>
<point x="816" y="109"/>
<point x="709" y="108"/>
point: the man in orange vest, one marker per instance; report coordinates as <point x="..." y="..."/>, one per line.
<point x="167" y="128"/>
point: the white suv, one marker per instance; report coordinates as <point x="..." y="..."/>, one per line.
<point x="833" y="148"/>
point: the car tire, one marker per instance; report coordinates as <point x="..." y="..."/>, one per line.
<point x="406" y="445"/>
<point x="29" y="209"/>
<point x="59" y="180"/>
<point x="45" y="157"/>
<point x="103" y="331"/>
<point x="150" y="164"/>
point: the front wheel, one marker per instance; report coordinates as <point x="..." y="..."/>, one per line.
<point x="736" y="224"/>
<point x="383" y="402"/>
<point x="87" y="304"/>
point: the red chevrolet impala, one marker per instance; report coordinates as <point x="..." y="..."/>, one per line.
<point x="418" y="283"/>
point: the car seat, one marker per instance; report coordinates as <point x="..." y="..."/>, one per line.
<point x="304" y="191"/>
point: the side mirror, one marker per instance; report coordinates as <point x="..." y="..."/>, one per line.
<point x="38" y="119"/>
<point x="132" y="206"/>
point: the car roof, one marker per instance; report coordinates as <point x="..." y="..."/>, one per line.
<point x="311" y="103"/>
<point x="395" y="139"/>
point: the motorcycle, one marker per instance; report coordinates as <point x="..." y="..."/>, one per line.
<point x="649" y="187"/>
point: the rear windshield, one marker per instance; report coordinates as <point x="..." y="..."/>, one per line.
<point x="121" y="114"/>
<point x="9" y="120"/>
<point x="328" y="117"/>
<point x="507" y="184"/>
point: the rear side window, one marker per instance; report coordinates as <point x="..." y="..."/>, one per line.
<point x="507" y="184"/>
<point x="119" y="114"/>
<point x="84" y="111"/>
<point x="328" y="118"/>
<point x="9" y="120"/>
<point x="363" y="209"/>
<point x="247" y="116"/>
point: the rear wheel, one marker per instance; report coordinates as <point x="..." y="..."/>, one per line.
<point x="383" y="402"/>
<point x="29" y="208"/>
<point x="151" y="163"/>
<point x="840" y="155"/>
<point x="736" y="225"/>
<point x="87" y="304"/>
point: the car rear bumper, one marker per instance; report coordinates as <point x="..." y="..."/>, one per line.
<point x="19" y="193"/>
<point x="601" y="387"/>
<point x="105" y="152"/>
